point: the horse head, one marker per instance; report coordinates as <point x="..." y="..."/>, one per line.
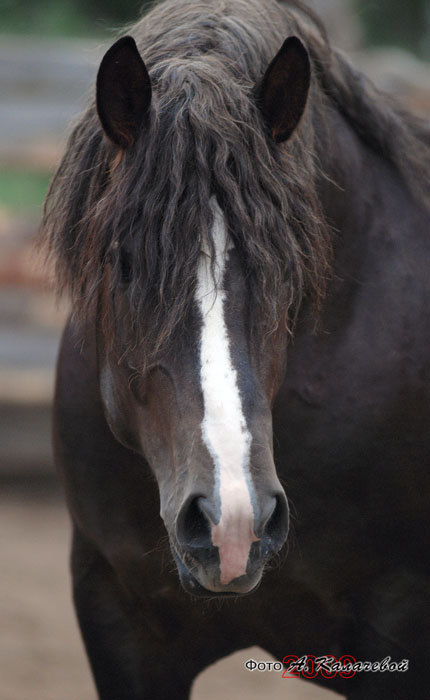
<point x="200" y="410"/>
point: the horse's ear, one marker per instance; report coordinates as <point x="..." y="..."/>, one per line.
<point x="284" y="89"/>
<point x="123" y="92"/>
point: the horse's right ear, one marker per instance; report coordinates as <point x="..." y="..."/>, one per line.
<point x="123" y="92"/>
<point x="283" y="92"/>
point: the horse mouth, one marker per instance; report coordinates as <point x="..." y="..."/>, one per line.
<point x="191" y="584"/>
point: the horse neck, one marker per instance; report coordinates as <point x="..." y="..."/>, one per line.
<point x="352" y="176"/>
<point x="370" y="208"/>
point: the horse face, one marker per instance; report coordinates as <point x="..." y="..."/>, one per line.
<point x="201" y="417"/>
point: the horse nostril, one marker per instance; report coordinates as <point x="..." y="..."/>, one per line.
<point x="275" y="527"/>
<point x="193" y="524"/>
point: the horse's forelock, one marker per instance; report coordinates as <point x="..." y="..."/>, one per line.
<point x="150" y="209"/>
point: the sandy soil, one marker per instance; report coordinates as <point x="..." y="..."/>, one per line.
<point x="41" y="657"/>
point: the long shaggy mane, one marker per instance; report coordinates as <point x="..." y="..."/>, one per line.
<point x="132" y="223"/>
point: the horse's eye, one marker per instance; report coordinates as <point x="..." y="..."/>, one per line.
<point x="156" y="381"/>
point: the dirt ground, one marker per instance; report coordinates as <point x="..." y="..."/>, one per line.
<point x="41" y="656"/>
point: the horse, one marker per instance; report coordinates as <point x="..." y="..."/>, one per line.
<point x="241" y="414"/>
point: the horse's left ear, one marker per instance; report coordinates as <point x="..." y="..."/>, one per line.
<point x="123" y="92"/>
<point x="284" y="89"/>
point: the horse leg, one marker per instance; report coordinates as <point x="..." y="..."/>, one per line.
<point x="121" y="667"/>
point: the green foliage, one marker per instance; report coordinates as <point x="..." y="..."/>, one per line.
<point x="403" y="23"/>
<point x="67" y="17"/>
<point x="21" y="190"/>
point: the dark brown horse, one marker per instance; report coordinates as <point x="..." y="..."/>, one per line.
<point x="242" y="223"/>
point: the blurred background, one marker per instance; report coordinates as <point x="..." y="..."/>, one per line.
<point x="49" y="53"/>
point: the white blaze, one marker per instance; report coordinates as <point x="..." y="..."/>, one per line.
<point x="224" y="428"/>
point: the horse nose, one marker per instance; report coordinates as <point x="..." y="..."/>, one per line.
<point x="272" y="525"/>
<point x="193" y="524"/>
<point x="199" y="525"/>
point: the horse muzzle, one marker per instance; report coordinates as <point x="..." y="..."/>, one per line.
<point x="227" y="557"/>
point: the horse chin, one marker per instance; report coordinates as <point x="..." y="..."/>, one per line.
<point x="211" y="589"/>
